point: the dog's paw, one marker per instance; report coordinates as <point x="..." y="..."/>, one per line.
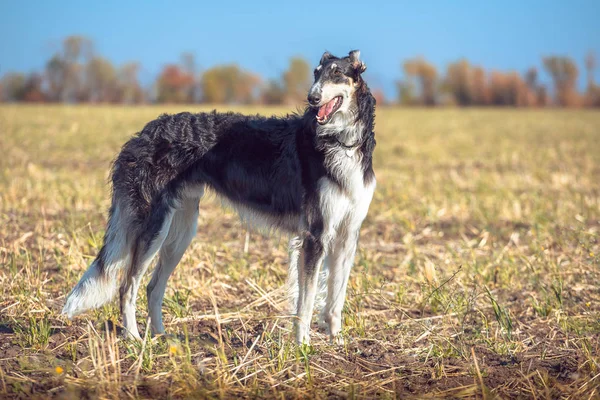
<point x="337" y="340"/>
<point x="303" y="339"/>
<point x="302" y="334"/>
<point x="133" y="334"/>
<point x="323" y="324"/>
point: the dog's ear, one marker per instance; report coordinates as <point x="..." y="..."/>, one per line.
<point x="358" y="65"/>
<point x="326" y="56"/>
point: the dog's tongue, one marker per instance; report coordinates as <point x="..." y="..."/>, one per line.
<point x="326" y="109"/>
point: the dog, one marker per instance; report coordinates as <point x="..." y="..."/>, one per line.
<point x="308" y="174"/>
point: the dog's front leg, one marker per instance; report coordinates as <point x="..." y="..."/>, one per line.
<point x="311" y="258"/>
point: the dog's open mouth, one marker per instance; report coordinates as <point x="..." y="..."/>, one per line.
<point x="327" y="110"/>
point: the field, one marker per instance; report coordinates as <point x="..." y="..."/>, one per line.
<point x="478" y="273"/>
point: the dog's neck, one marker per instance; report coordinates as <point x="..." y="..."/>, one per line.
<point x="345" y="131"/>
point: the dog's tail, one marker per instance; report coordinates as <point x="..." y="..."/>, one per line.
<point x="144" y="188"/>
<point x="99" y="283"/>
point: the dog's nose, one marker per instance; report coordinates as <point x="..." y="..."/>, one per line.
<point x="314" y="98"/>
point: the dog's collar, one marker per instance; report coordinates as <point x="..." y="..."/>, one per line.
<point x="353" y="146"/>
<point x="334" y="139"/>
<point x="349" y="148"/>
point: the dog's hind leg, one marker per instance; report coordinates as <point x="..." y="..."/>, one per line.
<point x="182" y="231"/>
<point x="145" y="249"/>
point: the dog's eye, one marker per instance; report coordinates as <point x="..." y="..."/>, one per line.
<point x="337" y="72"/>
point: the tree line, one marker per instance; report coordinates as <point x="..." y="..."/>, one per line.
<point x="470" y="85"/>
<point x="78" y="74"/>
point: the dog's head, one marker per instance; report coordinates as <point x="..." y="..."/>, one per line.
<point x="336" y="80"/>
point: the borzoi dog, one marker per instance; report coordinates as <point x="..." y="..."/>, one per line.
<point x="310" y="175"/>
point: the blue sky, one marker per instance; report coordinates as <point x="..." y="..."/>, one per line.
<point x="261" y="36"/>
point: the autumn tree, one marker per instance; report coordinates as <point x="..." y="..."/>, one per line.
<point x="291" y="87"/>
<point x="480" y="87"/>
<point x="76" y="52"/>
<point x="190" y="67"/>
<point x="592" y="94"/>
<point x="13" y="86"/>
<point x="426" y="75"/>
<point x="64" y="71"/>
<point x="296" y="80"/>
<point x="459" y="83"/>
<point x="227" y="84"/>
<point x="130" y="90"/>
<point x="56" y="76"/>
<point x="508" y="89"/>
<point x="590" y="66"/>
<point x="32" y="90"/>
<point x="173" y="85"/>
<point x="531" y="78"/>
<point x="564" y="76"/>
<point x="472" y="86"/>
<point x="21" y="87"/>
<point x="272" y="93"/>
<point x="406" y="93"/>
<point x="101" y="81"/>
<point x="537" y="91"/>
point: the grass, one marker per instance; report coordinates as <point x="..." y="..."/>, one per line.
<point x="477" y="275"/>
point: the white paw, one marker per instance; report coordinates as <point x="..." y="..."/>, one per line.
<point x="132" y="334"/>
<point x="331" y="324"/>
<point x="337" y="339"/>
<point x="322" y="323"/>
<point x="302" y="334"/>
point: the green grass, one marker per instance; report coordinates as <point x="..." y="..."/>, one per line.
<point x="482" y="242"/>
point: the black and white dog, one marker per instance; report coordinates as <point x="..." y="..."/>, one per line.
<point x="310" y="175"/>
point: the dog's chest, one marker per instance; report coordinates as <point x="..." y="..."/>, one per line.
<point x="346" y="197"/>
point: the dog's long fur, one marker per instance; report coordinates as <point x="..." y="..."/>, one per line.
<point x="295" y="174"/>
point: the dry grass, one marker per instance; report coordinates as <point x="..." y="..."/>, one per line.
<point x="477" y="276"/>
